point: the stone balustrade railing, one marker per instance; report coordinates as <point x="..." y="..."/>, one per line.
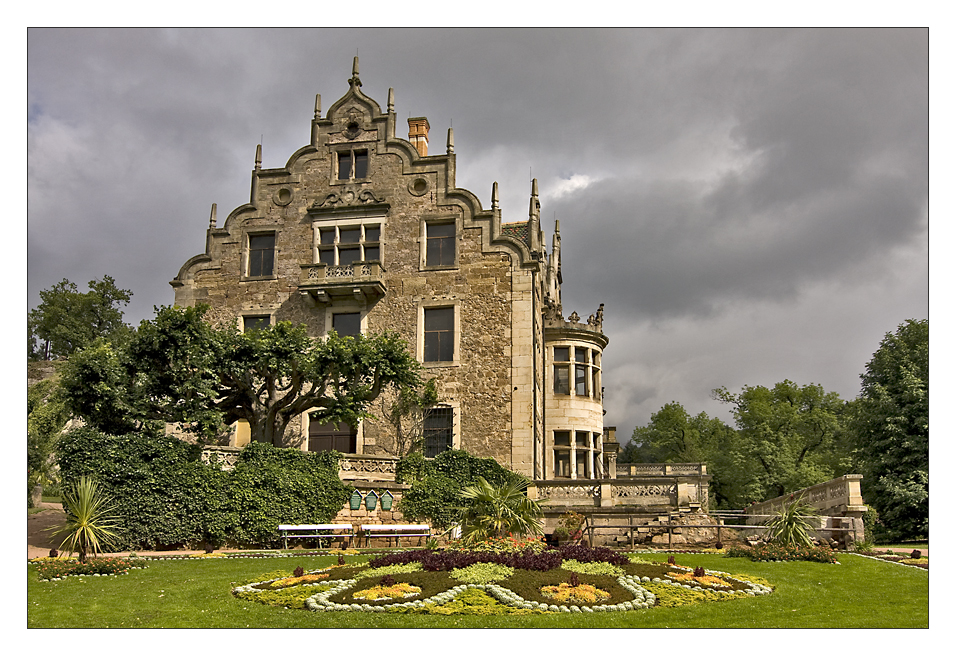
<point x="680" y="489"/>
<point x="352" y="467"/>
<point x="837" y="497"/>
<point x="367" y="467"/>
<point x="625" y="470"/>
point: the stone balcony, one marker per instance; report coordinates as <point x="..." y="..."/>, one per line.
<point x="363" y="281"/>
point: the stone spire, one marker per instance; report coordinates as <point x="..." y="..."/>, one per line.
<point x="212" y="217"/>
<point x="450" y="146"/>
<point x="354" y="80"/>
<point x="391" y="100"/>
<point x="258" y="156"/>
<point x="494" y="196"/>
<point x="318" y="106"/>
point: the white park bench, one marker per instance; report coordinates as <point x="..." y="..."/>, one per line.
<point x="395" y="531"/>
<point x="314" y="532"/>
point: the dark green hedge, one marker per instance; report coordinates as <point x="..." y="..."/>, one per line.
<point x="437" y="483"/>
<point x="166" y="496"/>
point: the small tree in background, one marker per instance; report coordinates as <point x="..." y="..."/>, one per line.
<point x="67" y="321"/>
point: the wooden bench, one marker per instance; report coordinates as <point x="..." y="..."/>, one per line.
<point x="394" y="531"/>
<point x="314" y="532"/>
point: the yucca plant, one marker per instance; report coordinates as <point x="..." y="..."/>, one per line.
<point x="792" y="524"/>
<point x="497" y="511"/>
<point x="90" y="525"/>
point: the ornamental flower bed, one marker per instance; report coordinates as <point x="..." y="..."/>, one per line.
<point x="58" y="568"/>
<point x="572" y="579"/>
<point x="775" y="552"/>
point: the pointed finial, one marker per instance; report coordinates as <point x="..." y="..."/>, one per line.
<point x="494" y="195"/>
<point x="451" y="141"/>
<point x="318" y="106"/>
<point x="391" y="100"/>
<point x="354" y="80"/>
<point x="212" y="217"/>
<point x="534" y="207"/>
<point x="557" y="226"/>
<point x="258" y="156"/>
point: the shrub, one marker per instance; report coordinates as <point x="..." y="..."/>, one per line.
<point x="165" y="495"/>
<point x="436" y="484"/>
<point x="792" y="524"/>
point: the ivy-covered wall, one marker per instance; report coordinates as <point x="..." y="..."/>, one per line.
<point x="166" y="496"/>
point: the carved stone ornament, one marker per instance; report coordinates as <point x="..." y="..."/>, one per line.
<point x="350" y="198"/>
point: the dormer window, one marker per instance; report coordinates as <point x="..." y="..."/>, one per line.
<point x="353" y="164"/>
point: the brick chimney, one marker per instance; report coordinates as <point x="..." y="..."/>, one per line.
<point x="418" y="134"/>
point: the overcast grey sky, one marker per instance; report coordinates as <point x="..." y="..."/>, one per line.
<point x="749" y="204"/>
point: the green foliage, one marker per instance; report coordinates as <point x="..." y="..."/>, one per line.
<point x="96" y="387"/>
<point x="292" y="598"/>
<point x="436" y="484"/>
<point x="482" y="573"/>
<point x="391" y="569"/>
<point x="591" y="567"/>
<point x="672" y="595"/>
<point x="179" y="369"/>
<point x="46" y="416"/>
<point x="405" y="411"/>
<point x="67" y="321"/>
<point x="792" y="524"/>
<point x="786" y="440"/>
<point x="91" y="523"/>
<point x="890" y="427"/>
<point x="166" y="496"/>
<point x="673" y="436"/>
<point x="499" y="510"/>
<point x="270" y="486"/>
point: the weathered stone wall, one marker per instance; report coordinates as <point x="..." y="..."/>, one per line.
<point x="403" y="191"/>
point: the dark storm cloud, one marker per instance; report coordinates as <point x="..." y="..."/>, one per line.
<point x="749" y="204"/>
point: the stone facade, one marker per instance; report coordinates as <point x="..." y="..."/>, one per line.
<point x="365" y="228"/>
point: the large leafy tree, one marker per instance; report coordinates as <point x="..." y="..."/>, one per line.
<point x="177" y="368"/>
<point x="673" y="436"/>
<point x="66" y="320"/>
<point x="890" y="424"/>
<point x="787" y="437"/>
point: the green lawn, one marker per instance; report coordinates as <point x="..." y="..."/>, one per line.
<point x="195" y="593"/>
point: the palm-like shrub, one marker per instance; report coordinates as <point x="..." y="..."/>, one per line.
<point x="792" y="524"/>
<point x="495" y="511"/>
<point x="90" y="523"/>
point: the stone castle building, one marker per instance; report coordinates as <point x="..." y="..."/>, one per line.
<point x="364" y="231"/>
